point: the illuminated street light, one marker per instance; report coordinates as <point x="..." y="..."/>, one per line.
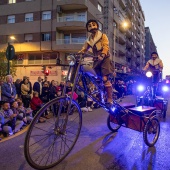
<point x="12" y="38"/>
<point x="125" y="24"/>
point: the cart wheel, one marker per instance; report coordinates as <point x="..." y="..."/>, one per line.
<point x="151" y="131"/>
<point x="47" y="144"/>
<point x="112" y="126"/>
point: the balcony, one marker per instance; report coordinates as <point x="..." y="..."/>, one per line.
<point x="129" y="13"/>
<point x="72" y="44"/>
<point x="129" y="3"/>
<point x="122" y="39"/>
<point x="71" y="22"/>
<point x="71" y="4"/>
<point x="138" y="53"/>
<point x="138" y="44"/>
<point x="121" y="60"/>
<point x="128" y="33"/>
<point x="122" y="4"/>
<point x="121" y="50"/>
<point x="128" y="54"/>
<point x="116" y="18"/>
<point x="128" y="44"/>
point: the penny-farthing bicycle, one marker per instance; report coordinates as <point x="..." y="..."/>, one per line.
<point x="47" y="144"/>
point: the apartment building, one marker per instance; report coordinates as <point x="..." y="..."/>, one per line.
<point x="45" y="30"/>
<point x="149" y="44"/>
<point x="134" y="34"/>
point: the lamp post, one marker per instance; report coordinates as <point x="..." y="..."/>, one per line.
<point x="10" y="53"/>
<point x="114" y="44"/>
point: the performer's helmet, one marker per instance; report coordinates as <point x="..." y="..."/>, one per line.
<point x="92" y="25"/>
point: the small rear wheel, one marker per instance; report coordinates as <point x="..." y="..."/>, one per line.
<point x="151" y="131"/>
<point x="111" y="124"/>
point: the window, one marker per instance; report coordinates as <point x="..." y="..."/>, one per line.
<point x="11" y="19"/>
<point x="39" y="58"/>
<point x="46" y="15"/>
<point x="81" y="16"/>
<point x="46" y="37"/>
<point x="69" y="17"/>
<point x="35" y="58"/>
<point x="66" y="39"/>
<point x="28" y="37"/>
<point x="28" y="17"/>
<point x="99" y="7"/>
<point x="12" y="1"/>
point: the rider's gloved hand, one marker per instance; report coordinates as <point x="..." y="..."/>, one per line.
<point x="101" y="57"/>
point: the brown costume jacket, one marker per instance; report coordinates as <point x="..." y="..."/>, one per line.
<point x="98" y="45"/>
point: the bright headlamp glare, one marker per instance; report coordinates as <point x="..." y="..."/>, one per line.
<point x="149" y="74"/>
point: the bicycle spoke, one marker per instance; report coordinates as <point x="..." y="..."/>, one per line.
<point x="50" y="142"/>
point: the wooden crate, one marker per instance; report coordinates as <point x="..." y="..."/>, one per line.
<point x="135" y="121"/>
<point x="138" y="120"/>
<point x="160" y="104"/>
<point x="127" y="105"/>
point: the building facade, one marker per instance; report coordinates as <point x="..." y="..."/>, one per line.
<point x="149" y="44"/>
<point x="47" y="30"/>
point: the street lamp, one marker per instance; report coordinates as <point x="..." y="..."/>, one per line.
<point x="10" y="53"/>
<point x="114" y="44"/>
<point x="12" y="38"/>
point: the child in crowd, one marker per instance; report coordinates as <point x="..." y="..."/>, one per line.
<point x="25" y="111"/>
<point x="22" y="117"/>
<point x="36" y="104"/>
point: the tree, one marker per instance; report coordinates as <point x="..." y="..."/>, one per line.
<point x="3" y="66"/>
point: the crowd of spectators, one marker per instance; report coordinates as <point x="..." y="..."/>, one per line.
<point x="20" y="100"/>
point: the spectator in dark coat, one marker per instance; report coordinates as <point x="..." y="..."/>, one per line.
<point x="8" y="90"/>
<point x="30" y="86"/>
<point x="45" y="93"/>
<point x="53" y="90"/>
<point x="38" y="86"/>
<point x="18" y="87"/>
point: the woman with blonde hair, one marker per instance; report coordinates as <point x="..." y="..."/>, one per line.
<point x="26" y="97"/>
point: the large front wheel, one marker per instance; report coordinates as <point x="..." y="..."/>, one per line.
<point x="47" y="144"/>
<point x="151" y="131"/>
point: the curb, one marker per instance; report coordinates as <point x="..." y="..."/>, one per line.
<point x="15" y="135"/>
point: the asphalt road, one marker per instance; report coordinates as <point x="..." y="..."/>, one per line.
<point x="99" y="149"/>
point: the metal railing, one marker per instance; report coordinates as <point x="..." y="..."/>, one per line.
<point x="71" y="41"/>
<point x="71" y="18"/>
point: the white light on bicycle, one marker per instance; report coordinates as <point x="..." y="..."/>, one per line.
<point x="148" y="74"/>
<point x="71" y="60"/>
<point x="113" y="108"/>
<point x="165" y="88"/>
<point x="140" y="88"/>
